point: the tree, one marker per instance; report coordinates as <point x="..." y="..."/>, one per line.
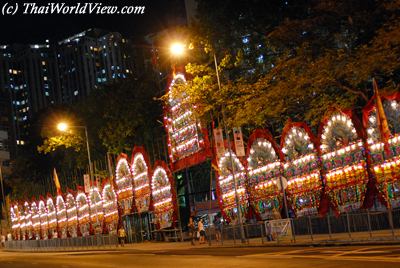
<point x="308" y="56"/>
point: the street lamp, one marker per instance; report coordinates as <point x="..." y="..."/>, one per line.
<point x="63" y="127"/>
<point x="178" y="49"/>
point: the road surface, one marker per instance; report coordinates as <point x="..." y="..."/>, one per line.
<point x="279" y="257"/>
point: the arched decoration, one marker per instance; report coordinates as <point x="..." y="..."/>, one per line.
<point x="265" y="169"/>
<point x="96" y="210"/>
<point x="72" y="215"/>
<point x="124" y="185"/>
<point x="385" y="158"/>
<point x="28" y="220"/>
<point x="301" y="168"/>
<point x="61" y="216"/>
<point x="15" y="221"/>
<point x="52" y="217"/>
<point x="35" y="220"/>
<point x="187" y="142"/>
<point x="226" y="186"/>
<point x="163" y="196"/>
<point x="110" y="206"/>
<point x="141" y="179"/>
<point x="22" y="221"/>
<point x="343" y="159"/>
<point x="44" y="223"/>
<point x="83" y="209"/>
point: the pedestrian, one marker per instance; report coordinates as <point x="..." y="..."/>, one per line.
<point x="3" y="240"/>
<point x="218" y="227"/>
<point x="192" y="231"/>
<point x="121" y="236"/>
<point x="202" y="231"/>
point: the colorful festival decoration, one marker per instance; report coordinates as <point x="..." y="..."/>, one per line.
<point x="15" y="222"/>
<point x="52" y="218"/>
<point x="35" y="220"/>
<point x="187" y="142"/>
<point x="385" y="158"/>
<point x="61" y="216"/>
<point x="83" y="209"/>
<point x="301" y="168"/>
<point x="44" y="224"/>
<point x="28" y="220"/>
<point x="141" y="180"/>
<point x="22" y="222"/>
<point x="265" y="172"/>
<point x="343" y="159"/>
<point x="226" y="186"/>
<point x="124" y="185"/>
<point x="163" y="196"/>
<point x="72" y="215"/>
<point x="110" y="207"/>
<point x="96" y="210"/>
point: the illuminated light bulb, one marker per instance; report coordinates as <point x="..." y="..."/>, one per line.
<point x="393" y="104"/>
<point x="265" y="144"/>
<point x="372" y="119"/>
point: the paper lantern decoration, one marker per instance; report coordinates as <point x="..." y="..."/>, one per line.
<point x="141" y="182"/>
<point x="44" y="224"/>
<point x="124" y="185"/>
<point x="52" y="218"/>
<point x="72" y="215"/>
<point x="184" y="130"/>
<point x="96" y="210"/>
<point x="385" y="162"/>
<point x="110" y="207"/>
<point x="61" y="216"/>
<point x="231" y="168"/>
<point x="343" y="158"/>
<point x="163" y="195"/>
<point x="83" y="210"/>
<point x="265" y="172"/>
<point x="301" y="169"/>
<point x="35" y="220"/>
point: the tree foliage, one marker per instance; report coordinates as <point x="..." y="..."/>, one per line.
<point x="304" y="58"/>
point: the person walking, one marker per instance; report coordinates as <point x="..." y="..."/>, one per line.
<point x="121" y="236"/>
<point x="3" y="240"/>
<point x="192" y="231"/>
<point x="201" y="231"/>
<point x="217" y="226"/>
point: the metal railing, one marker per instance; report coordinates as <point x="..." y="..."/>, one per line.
<point x="63" y="244"/>
<point x="361" y="226"/>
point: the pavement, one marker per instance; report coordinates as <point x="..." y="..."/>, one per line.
<point x="184" y="255"/>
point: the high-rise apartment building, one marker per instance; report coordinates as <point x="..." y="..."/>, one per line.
<point x="90" y="59"/>
<point x="40" y="75"/>
<point x="29" y="77"/>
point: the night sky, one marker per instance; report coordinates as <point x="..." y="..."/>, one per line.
<point x="159" y="14"/>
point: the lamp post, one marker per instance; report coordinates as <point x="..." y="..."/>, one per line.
<point x="178" y="50"/>
<point x="63" y="127"/>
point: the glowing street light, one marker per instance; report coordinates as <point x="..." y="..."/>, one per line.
<point x="177" y="49"/>
<point x="63" y="127"/>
